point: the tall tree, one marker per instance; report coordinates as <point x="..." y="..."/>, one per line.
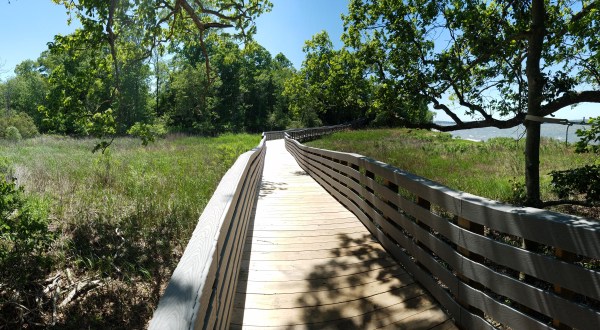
<point x="131" y="30"/>
<point x="26" y="90"/>
<point x="331" y="87"/>
<point x="166" y="20"/>
<point x="505" y="63"/>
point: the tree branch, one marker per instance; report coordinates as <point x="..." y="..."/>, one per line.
<point x="568" y="99"/>
<point x="473" y="107"/>
<point x="440" y="106"/>
<point x="577" y="17"/>
<point x="512" y="122"/>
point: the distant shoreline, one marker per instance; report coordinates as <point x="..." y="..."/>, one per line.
<point x="558" y="132"/>
<point x="573" y="122"/>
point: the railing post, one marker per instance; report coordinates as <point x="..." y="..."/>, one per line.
<point x="477" y="229"/>
<point x="422" y="202"/>
<point x="565" y="293"/>
<point x="370" y="175"/>
<point x="394" y="188"/>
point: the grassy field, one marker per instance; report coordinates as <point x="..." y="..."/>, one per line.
<point x="492" y="169"/>
<point x="116" y="225"/>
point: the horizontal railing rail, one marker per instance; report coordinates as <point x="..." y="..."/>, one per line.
<point x="472" y="254"/>
<point x="201" y="290"/>
<point x="306" y="133"/>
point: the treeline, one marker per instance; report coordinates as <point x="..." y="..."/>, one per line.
<point x="76" y="88"/>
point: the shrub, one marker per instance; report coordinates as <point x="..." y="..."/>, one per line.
<point x="149" y="132"/>
<point x="589" y="137"/>
<point x="12" y="134"/>
<point x="22" y="122"/>
<point x="583" y="180"/>
<point x="24" y="235"/>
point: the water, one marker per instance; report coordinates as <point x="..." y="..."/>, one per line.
<point x="555" y="131"/>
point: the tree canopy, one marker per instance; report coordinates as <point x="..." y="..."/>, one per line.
<point x="192" y="65"/>
<point x="504" y="63"/>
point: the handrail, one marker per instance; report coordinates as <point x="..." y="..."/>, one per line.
<point x="306" y="133"/>
<point x="461" y="247"/>
<point x="201" y="290"/>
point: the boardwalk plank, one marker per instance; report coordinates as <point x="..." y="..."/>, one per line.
<point x="308" y="262"/>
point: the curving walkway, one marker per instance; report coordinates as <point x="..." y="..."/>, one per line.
<point x="309" y="263"/>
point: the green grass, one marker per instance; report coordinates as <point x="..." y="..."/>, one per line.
<point x="123" y="217"/>
<point x="492" y="169"/>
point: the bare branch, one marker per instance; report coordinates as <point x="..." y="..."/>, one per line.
<point x="570" y="98"/>
<point x="473" y="107"/>
<point x="509" y="123"/>
<point x="440" y="106"/>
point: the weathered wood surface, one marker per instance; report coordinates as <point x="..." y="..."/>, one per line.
<point x="201" y="290"/>
<point x="310" y="263"/>
<point x="462" y="244"/>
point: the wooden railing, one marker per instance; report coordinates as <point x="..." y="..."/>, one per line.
<point x="307" y="133"/>
<point x="201" y="290"/>
<point x="467" y="251"/>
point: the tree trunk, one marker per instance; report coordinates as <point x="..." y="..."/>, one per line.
<point x="532" y="163"/>
<point x="535" y="85"/>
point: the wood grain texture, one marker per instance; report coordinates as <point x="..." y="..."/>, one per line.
<point x="399" y="222"/>
<point x="310" y="263"/>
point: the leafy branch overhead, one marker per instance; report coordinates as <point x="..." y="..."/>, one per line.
<point x="166" y="21"/>
<point x="104" y="60"/>
<point x="470" y="56"/>
<point x="497" y="61"/>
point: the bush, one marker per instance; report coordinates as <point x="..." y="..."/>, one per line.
<point x="149" y="132"/>
<point x="12" y="134"/>
<point x="22" y="122"/>
<point x="24" y="235"/>
<point x="589" y="137"/>
<point x="578" y="181"/>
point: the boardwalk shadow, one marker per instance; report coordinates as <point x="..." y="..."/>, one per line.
<point x="269" y="187"/>
<point x="362" y="288"/>
<point x="300" y="173"/>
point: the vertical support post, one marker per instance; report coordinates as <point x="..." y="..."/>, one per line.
<point x="531" y="246"/>
<point x="478" y="229"/>
<point x="426" y="205"/>
<point x="357" y="169"/>
<point x="565" y="293"/>
<point x="394" y="188"/>
<point x="370" y="175"/>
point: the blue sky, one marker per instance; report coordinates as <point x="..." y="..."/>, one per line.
<point x="26" y="26"/>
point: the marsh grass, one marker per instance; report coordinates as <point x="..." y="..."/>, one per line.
<point x="120" y="221"/>
<point x="492" y="169"/>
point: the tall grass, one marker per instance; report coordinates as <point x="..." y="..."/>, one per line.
<point x="494" y="169"/>
<point x="120" y="221"/>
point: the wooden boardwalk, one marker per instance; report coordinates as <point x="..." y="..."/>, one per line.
<point x="309" y="263"/>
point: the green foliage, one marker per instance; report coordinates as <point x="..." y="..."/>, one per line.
<point x="331" y="87"/>
<point x="24" y="235"/>
<point x="21" y="121"/>
<point x="399" y="42"/>
<point x="123" y="217"/>
<point x="148" y="132"/>
<point x="589" y="138"/>
<point x="12" y="134"/>
<point x="519" y="193"/>
<point x="578" y="181"/>
<point x="23" y="93"/>
<point x="79" y="85"/>
<point x="492" y="169"/>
